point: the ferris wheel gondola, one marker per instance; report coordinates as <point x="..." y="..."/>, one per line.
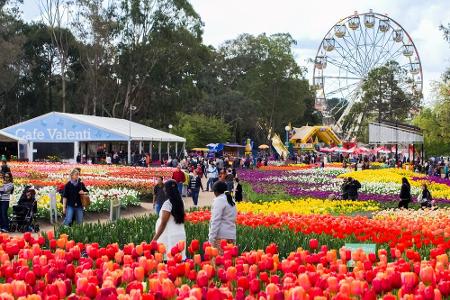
<point x="350" y="50"/>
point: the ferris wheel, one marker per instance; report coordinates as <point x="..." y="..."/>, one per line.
<point x="349" y="51"/>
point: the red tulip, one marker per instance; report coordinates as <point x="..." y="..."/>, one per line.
<point x="62" y="288"/>
<point x="272" y="249"/>
<point x="202" y="278"/>
<point x="243" y="283"/>
<point x="254" y="286"/>
<point x="444" y="288"/>
<point x="313" y="244"/>
<point x="30" y="278"/>
<point x="50" y="234"/>
<point x="264" y="277"/>
<point x="195" y="246"/>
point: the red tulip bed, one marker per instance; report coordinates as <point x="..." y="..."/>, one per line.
<point x="57" y="268"/>
<point x="423" y="235"/>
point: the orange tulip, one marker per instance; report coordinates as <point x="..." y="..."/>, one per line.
<point x="181" y="245"/>
<point x="139" y="273"/>
<point x="60" y="243"/>
<point x="161" y="248"/>
<point x="6" y="288"/>
<point x="139" y="250"/>
<point x="128" y="260"/>
<point x="197" y="259"/>
<point x="19" y="288"/>
<point x="118" y="256"/>
<point x="333" y="284"/>
<point x="303" y="281"/>
<point x="196" y="293"/>
<point x="231" y="273"/>
<point x="427" y="275"/>
<point x="154" y="285"/>
<point x="296" y="293"/>
<point x="271" y="290"/>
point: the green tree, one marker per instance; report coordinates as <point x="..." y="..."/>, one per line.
<point x="140" y="21"/>
<point x="11" y="42"/>
<point x="200" y="130"/>
<point x="436" y="141"/>
<point x="383" y="98"/>
<point x="260" y="85"/>
<point x="446" y="31"/>
<point x="435" y="121"/>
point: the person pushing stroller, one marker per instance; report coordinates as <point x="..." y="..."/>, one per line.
<point x="24" y="211"/>
<point x="27" y="201"/>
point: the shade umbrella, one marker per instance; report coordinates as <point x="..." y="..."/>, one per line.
<point x="351" y="150"/>
<point x="382" y="149"/>
<point x="362" y="150"/>
<point x="326" y="150"/>
<point x="263" y="147"/>
<point x="335" y="149"/>
<point x="200" y="149"/>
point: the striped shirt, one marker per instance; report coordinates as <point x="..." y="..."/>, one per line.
<point x="5" y="191"/>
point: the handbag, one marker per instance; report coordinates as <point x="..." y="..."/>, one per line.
<point x="420" y="198"/>
<point x="85" y="200"/>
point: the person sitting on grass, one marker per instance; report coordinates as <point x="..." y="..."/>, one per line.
<point x="425" y="198"/>
<point x="353" y="187"/>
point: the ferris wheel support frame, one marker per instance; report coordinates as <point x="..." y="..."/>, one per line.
<point x="319" y="73"/>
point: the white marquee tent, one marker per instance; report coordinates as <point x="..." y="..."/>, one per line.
<point x="61" y="128"/>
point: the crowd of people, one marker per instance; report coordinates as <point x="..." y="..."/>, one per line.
<point x="439" y="167"/>
<point x="190" y="171"/>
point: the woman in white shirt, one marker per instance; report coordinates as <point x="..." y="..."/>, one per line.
<point x="169" y="229"/>
<point x="223" y="216"/>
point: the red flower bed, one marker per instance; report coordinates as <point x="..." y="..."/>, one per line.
<point x="56" y="268"/>
<point x="399" y="233"/>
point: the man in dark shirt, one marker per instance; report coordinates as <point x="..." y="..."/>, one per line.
<point x="159" y="196"/>
<point x="5" y="168"/>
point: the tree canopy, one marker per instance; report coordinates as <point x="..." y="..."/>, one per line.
<point x="383" y="98"/>
<point x="200" y="130"/>
<point x="107" y="56"/>
<point x="435" y="120"/>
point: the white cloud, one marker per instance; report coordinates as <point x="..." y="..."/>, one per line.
<point x="309" y="21"/>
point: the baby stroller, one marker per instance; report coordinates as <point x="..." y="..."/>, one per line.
<point x="23" y="217"/>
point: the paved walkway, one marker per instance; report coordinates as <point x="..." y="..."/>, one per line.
<point x="146" y="208"/>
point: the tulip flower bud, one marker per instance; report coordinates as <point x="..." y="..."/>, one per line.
<point x="427" y="275"/>
<point x="313" y="244"/>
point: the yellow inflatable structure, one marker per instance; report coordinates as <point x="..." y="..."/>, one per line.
<point x="306" y="137"/>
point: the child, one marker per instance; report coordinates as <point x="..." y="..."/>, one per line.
<point x="238" y="191"/>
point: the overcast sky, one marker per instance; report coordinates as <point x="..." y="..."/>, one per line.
<point x="308" y="21"/>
